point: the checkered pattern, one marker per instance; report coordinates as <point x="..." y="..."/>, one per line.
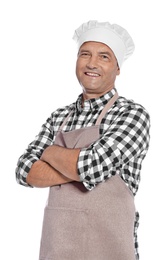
<point x="122" y="147"/>
<point x="123" y="142"/>
<point x="136" y="225"/>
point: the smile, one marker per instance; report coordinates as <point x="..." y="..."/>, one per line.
<point x="92" y="74"/>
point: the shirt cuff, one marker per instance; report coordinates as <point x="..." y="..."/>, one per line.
<point x="83" y="165"/>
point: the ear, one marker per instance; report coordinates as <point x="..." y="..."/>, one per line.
<point x="118" y="71"/>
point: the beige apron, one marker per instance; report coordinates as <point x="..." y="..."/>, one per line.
<point x="88" y="225"/>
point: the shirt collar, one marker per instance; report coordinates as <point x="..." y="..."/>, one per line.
<point x="94" y="103"/>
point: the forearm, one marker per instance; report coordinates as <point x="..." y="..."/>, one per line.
<point x="62" y="159"/>
<point x="42" y="175"/>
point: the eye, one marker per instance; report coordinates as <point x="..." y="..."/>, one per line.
<point x="105" y="57"/>
<point x="84" y="54"/>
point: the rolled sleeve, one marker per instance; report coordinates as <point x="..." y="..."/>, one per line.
<point x="23" y="167"/>
<point x="33" y="153"/>
<point x="98" y="163"/>
<point x="120" y="149"/>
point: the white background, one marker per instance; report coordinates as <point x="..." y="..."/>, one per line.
<point x="37" y="75"/>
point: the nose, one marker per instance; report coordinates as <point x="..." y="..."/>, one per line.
<point x="92" y="63"/>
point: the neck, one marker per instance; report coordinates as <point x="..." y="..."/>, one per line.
<point x="88" y="95"/>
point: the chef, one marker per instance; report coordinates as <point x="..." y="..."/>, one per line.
<point x="89" y="153"/>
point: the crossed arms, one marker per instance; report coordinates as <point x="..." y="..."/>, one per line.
<point x="119" y="149"/>
<point x="57" y="165"/>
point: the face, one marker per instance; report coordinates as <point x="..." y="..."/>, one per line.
<point x="96" y="69"/>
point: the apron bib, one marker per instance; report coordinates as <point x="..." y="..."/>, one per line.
<point x="88" y="225"/>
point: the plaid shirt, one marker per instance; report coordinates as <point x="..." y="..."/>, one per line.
<point x="123" y="142"/>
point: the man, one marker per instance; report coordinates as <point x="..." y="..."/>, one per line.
<point x="90" y="154"/>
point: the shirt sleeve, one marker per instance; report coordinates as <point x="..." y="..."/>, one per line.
<point x="120" y="149"/>
<point x="34" y="152"/>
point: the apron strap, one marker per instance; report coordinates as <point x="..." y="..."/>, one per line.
<point x="106" y="108"/>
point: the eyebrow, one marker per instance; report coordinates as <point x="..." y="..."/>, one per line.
<point x="106" y="52"/>
<point x="83" y="50"/>
<point x="100" y="52"/>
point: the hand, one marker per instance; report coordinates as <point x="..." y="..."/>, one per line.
<point x="48" y="154"/>
<point x="64" y="160"/>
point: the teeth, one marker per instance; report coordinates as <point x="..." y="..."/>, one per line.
<point x="92" y="74"/>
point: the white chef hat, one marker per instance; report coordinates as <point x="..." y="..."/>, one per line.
<point x="113" y="35"/>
